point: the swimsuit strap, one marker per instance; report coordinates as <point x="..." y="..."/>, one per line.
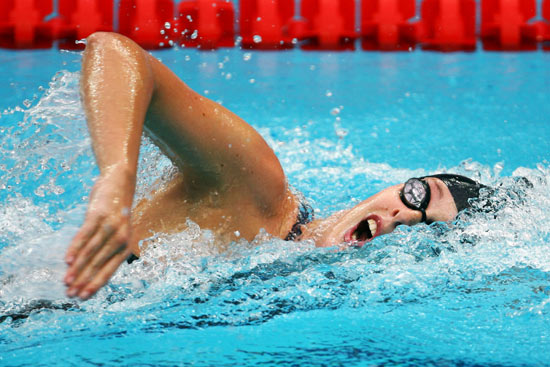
<point x="305" y="215"/>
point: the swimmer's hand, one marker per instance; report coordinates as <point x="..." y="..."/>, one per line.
<point x="101" y="244"/>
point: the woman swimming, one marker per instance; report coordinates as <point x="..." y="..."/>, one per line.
<point x="229" y="179"/>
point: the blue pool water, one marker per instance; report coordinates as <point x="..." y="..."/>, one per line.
<point x="475" y="292"/>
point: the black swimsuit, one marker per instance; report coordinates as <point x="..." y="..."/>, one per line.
<point x="305" y="215"/>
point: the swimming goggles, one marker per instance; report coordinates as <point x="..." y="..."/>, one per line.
<point x="416" y="195"/>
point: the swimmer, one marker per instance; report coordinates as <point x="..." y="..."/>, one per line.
<point x="229" y="179"/>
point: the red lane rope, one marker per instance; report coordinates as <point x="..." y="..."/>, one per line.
<point x="388" y="25"/>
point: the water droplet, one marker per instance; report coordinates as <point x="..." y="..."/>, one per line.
<point x="294" y="41"/>
<point x="228" y="76"/>
<point x="328" y="93"/>
<point x="259" y="18"/>
<point x="187" y="57"/>
<point x="252" y="80"/>
<point x="206" y="91"/>
<point x="27" y="103"/>
<point x="312" y="67"/>
<point x="194" y="34"/>
<point x="161" y="44"/>
<point x="247" y="56"/>
<point x="167" y="25"/>
<point x="257" y="39"/>
<point x="341" y="133"/>
<point x="189" y="18"/>
<point x="162" y="31"/>
<point x="220" y="65"/>
<point x="335" y="111"/>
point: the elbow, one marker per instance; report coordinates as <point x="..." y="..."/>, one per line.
<point x="113" y="45"/>
<point x="101" y="39"/>
<point x="120" y="53"/>
<point x="108" y="39"/>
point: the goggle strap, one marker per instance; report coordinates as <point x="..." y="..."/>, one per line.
<point x="423" y="215"/>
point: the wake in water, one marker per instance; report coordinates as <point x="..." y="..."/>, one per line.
<point x="499" y="256"/>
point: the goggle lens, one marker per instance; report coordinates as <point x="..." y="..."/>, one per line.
<point x="414" y="192"/>
<point x="416" y="195"/>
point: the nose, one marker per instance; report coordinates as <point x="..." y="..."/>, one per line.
<point x="406" y="216"/>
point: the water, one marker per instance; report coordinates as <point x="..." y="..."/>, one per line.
<point x="345" y="125"/>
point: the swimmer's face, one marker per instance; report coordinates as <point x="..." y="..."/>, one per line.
<point x="381" y="214"/>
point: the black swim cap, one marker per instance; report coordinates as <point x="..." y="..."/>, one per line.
<point x="462" y="188"/>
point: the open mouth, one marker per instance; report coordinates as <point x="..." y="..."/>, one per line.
<point x="364" y="231"/>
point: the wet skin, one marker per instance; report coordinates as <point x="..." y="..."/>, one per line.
<point x="386" y="209"/>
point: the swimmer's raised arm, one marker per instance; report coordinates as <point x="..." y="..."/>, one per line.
<point x="124" y="89"/>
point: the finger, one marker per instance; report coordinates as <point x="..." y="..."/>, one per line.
<point x="83" y="235"/>
<point x="103" y="275"/>
<point x="116" y="244"/>
<point x="110" y="249"/>
<point x="88" y="251"/>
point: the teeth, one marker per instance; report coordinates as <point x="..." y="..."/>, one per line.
<point x="372" y="226"/>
